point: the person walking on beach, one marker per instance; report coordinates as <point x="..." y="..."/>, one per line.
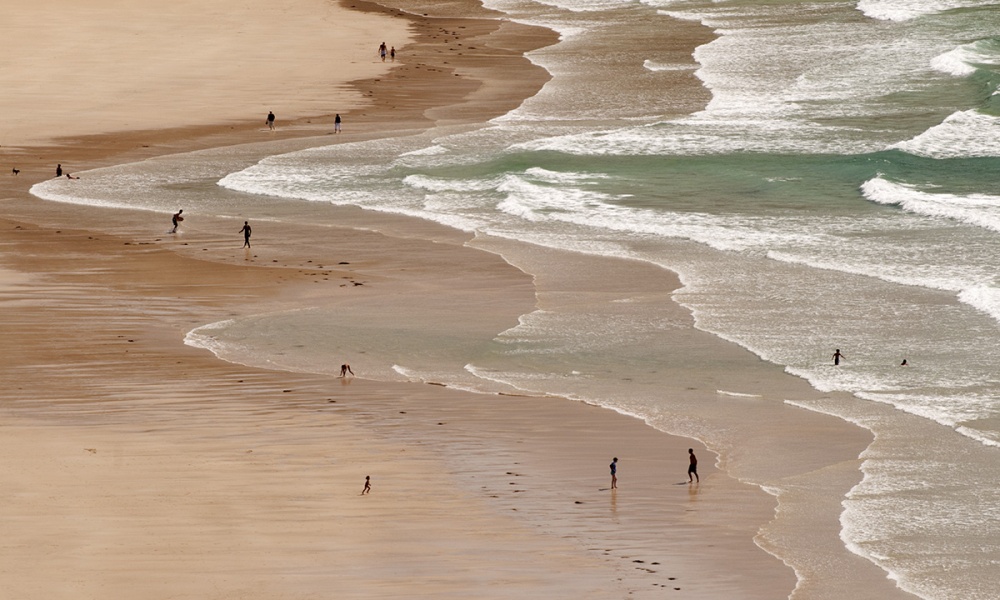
<point x="693" y="467"/>
<point x="336" y="123"/>
<point x="345" y="369"/>
<point x="382" y="51"/>
<point x="836" y="357"/>
<point x="392" y="54"/>
<point x="59" y="170"/>
<point x="270" y="120"/>
<point x="614" y="473"/>
<point x="177" y="218"/>
<point x="246" y="234"/>
<point x="368" y="485"/>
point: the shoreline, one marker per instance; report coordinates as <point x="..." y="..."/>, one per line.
<point x="401" y="434"/>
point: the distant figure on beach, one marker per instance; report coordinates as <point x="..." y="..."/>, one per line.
<point x="837" y="356"/>
<point x="392" y="54"/>
<point x="59" y="170"/>
<point x="904" y="363"/>
<point x="693" y="467"/>
<point x="68" y="176"/>
<point x="176" y="219"/>
<point x="15" y="171"/>
<point x="336" y="123"/>
<point x="368" y="485"/>
<point x="270" y="120"/>
<point x="345" y="369"/>
<point x="614" y="473"/>
<point x="381" y="51"/>
<point x="246" y="234"/>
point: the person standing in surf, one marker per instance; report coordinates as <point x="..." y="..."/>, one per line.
<point x="837" y="356"/>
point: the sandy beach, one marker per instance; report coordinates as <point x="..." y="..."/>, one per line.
<point x="135" y="466"/>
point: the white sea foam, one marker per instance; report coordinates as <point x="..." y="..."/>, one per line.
<point x="981" y="210"/>
<point x="580" y="6"/>
<point x="986" y="439"/>
<point x="945" y="410"/>
<point x="963" y="134"/>
<point x="532" y="202"/>
<point x="440" y="184"/>
<point x="435" y="150"/>
<point x="204" y="337"/>
<point x="57" y="191"/>
<point x="673" y="14"/>
<point x="711" y="133"/>
<point x="81" y="192"/>
<point x="407" y="373"/>
<point x="905" y="10"/>
<point x="957" y="62"/>
<point x="896" y="10"/>
<point x="563" y="177"/>
<point x="737" y="394"/>
<point x="984" y="298"/>
<point x="655" y="66"/>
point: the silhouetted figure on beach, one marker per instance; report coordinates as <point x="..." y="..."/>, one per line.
<point x="176" y="219"/>
<point x="392" y="54"/>
<point x="368" y="485"/>
<point x="382" y="51"/>
<point x="904" y="363"/>
<point x="270" y="120"/>
<point x="693" y="467"/>
<point x="246" y="234"/>
<point x="15" y="171"/>
<point x="336" y="123"/>
<point x="837" y="356"/>
<point x="345" y="369"/>
<point x="59" y="170"/>
<point x="614" y="473"/>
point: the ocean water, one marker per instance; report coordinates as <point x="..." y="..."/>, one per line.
<point x="838" y="190"/>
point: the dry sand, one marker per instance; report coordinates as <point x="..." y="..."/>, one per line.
<point x="133" y="466"/>
<point x="104" y="66"/>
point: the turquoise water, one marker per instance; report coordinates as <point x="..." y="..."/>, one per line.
<point x="839" y="190"/>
